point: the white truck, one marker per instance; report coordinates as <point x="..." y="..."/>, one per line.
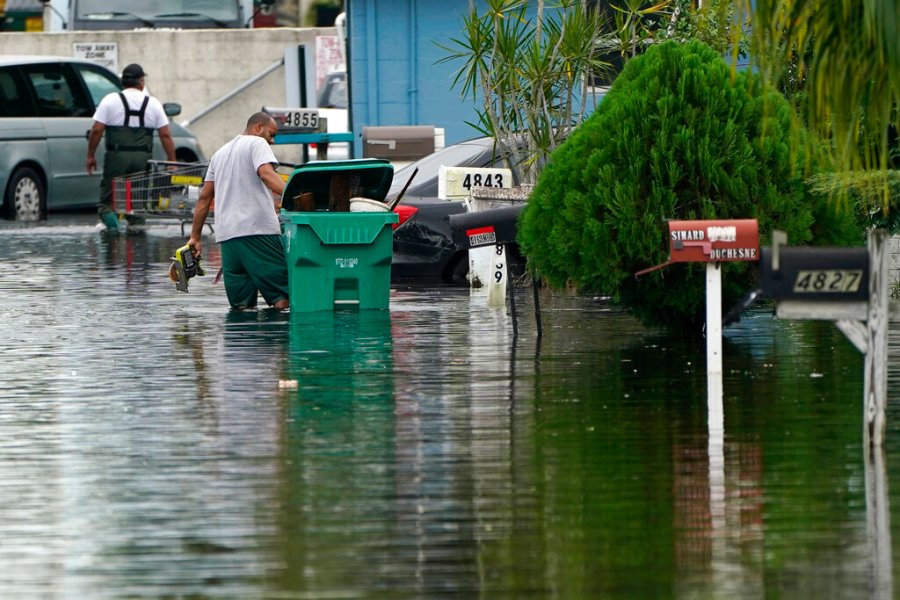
<point x="80" y="15"/>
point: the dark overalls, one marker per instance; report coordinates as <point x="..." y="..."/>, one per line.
<point x="127" y="151"/>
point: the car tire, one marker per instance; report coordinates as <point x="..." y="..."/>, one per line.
<point x="25" y="198"/>
<point x="185" y="156"/>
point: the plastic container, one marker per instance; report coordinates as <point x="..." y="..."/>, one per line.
<point x="367" y="205"/>
<point x="339" y="257"/>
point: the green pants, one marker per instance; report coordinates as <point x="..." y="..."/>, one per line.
<point x="116" y="164"/>
<point x="252" y="265"/>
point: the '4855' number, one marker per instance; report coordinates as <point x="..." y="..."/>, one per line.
<point x="308" y="119"/>
<point x="479" y="180"/>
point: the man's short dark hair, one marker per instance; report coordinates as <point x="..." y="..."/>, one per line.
<point x="262" y="118"/>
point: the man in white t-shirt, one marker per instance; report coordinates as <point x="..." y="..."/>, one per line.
<point x="242" y="181"/>
<point x="128" y="119"/>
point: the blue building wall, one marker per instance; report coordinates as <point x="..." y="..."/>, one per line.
<point x="393" y="70"/>
<point x="395" y="77"/>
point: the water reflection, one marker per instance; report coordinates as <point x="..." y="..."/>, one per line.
<point x="339" y="463"/>
<point x="879" y="525"/>
<point x="154" y="444"/>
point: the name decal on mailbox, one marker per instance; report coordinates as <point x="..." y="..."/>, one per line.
<point x="482" y="236"/>
<point x="713" y="241"/>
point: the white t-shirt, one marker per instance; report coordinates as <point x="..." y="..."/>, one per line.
<point x="111" y="112"/>
<point x="243" y="204"/>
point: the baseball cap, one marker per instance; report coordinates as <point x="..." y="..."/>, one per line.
<point x="133" y="71"/>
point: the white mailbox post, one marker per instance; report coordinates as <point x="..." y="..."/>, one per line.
<point x="712" y="242"/>
<point x="487" y="264"/>
<point x="848" y="286"/>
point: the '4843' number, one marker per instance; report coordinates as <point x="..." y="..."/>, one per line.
<point x="478" y="180"/>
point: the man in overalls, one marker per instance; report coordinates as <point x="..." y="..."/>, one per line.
<point x="129" y="118"/>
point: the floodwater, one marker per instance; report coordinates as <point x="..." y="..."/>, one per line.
<point x="155" y="445"/>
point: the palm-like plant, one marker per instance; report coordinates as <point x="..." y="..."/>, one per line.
<point x="847" y="53"/>
<point x="529" y="65"/>
<point x="527" y="72"/>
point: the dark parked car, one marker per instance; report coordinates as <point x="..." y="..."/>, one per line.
<point x="424" y="250"/>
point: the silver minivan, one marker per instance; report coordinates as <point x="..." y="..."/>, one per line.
<point x="46" y="109"/>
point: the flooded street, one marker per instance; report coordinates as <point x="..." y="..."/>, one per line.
<point x="155" y="445"/>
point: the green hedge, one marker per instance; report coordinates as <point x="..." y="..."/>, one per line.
<point x="679" y="136"/>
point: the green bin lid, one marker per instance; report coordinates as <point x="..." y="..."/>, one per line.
<point x="375" y="178"/>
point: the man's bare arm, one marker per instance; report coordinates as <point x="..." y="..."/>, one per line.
<point x="201" y="211"/>
<point x="165" y="138"/>
<point x="94" y="135"/>
<point x="273" y="181"/>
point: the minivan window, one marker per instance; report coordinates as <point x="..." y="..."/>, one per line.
<point x="99" y="84"/>
<point x="14" y="100"/>
<point x="56" y="95"/>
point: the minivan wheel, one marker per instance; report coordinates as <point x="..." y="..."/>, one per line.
<point x="25" y="199"/>
<point x="185" y="156"/>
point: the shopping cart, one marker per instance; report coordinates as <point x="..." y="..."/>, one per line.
<point x="166" y="190"/>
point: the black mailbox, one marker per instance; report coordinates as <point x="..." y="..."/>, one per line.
<point x="486" y="227"/>
<point x="819" y="274"/>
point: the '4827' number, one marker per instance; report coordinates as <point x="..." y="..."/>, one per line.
<point x="828" y="281"/>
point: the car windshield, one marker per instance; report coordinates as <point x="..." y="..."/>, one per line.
<point x="149" y="9"/>
<point x="477" y="152"/>
<point x="333" y="93"/>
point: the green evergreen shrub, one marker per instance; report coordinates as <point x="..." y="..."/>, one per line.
<point x="679" y="136"/>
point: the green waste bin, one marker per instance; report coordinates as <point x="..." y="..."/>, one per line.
<point x="337" y="257"/>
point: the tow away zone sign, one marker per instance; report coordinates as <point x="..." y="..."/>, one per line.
<point x="102" y="53"/>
